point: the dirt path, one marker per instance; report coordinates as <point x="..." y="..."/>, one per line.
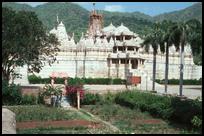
<point x="61" y="123"/>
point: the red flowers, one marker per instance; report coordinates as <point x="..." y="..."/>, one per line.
<point x="72" y="90"/>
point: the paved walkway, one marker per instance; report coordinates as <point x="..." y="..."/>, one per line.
<point x="191" y="91"/>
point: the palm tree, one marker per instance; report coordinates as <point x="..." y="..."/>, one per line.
<point x="166" y="42"/>
<point x="195" y="40"/>
<point x="180" y="34"/>
<point x="153" y="38"/>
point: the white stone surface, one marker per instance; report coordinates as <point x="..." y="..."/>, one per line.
<point x="8" y="122"/>
<point x="89" y="57"/>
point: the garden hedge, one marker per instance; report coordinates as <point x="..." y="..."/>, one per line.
<point x="185" y="81"/>
<point x="33" y="79"/>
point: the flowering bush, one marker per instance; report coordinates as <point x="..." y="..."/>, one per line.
<point x="52" y="90"/>
<point x="71" y="90"/>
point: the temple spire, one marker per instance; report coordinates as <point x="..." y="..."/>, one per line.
<point x="94" y="6"/>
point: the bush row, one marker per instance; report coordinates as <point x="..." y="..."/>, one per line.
<point x="185" y="82"/>
<point x="92" y="99"/>
<point x="33" y="79"/>
<point x="171" y="108"/>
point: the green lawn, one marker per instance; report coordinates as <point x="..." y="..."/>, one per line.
<point x="131" y="120"/>
<point x="43" y="113"/>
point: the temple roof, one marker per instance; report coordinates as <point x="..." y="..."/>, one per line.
<point x="109" y="30"/>
<point x="123" y="30"/>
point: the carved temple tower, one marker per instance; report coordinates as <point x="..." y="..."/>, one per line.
<point x="95" y="23"/>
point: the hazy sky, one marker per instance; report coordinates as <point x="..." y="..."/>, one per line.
<point x="149" y="8"/>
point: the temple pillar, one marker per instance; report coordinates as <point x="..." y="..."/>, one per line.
<point x="118" y="68"/>
<point x="138" y="63"/>
<point x="129" y="64"/>
<point x="123" y="38"/>
<point x="109" y="68"/>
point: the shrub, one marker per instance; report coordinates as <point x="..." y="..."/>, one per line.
<point x="75" y="81"/>
<point x="33" y="79"/>
<point x="40" y="99"/>
<point x="185" y="82"/>
<point x="11" y="94"/>
<point x="71" y="91"/>
<point x="197" y="122"/>
<point x="118" y="81"/>
<point x="108" y="98"/>
<point x="51" y="90"/>
<point x="28" y="100"/>
<point x="59" y="80"/>
<point x="172" y="108"/>
<point x="185" y="110"/>
<point x="91" y="99"/>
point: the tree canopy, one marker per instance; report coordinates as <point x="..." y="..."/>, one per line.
<point x="25" y="41"/>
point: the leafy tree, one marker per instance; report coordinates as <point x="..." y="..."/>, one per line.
<point x="25" y="41"/>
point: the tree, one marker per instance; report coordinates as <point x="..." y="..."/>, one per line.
<point x="180" y="34"/>
<point x="154" y="39"/>
<point x="166" y="42"/>
<point x="195" y="40"/>
<point x="25" y="41"/>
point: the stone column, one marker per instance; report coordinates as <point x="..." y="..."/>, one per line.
<point x="118" y="68"/>
<point x="65" y="81"/>
<point x="126" y="49"/>
<point x="134" y="49"/>
<point x="109" y="67"/>
<point x="52" y="81"/>
<point x="138" y="63"/>
<point x="129" y="64"/>
<point x="78" y="100"/>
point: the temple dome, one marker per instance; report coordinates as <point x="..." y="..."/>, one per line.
<point x="53" y="31"/>
<point x="109" y="30"/>
<point x="123" y="30"/>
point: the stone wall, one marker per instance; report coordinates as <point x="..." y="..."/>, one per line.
<point x="94" y="64"/>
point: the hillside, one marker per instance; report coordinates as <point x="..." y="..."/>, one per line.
<point x="192" y="12"/>
<point x="17" y="7"/>
<point x="76" y="18"/>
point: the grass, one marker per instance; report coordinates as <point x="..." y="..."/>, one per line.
<point x="71" y="130"/>
<point x="52" y="130"/>
<point x="43" y="113"/>
<point x="132" y="120"/>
